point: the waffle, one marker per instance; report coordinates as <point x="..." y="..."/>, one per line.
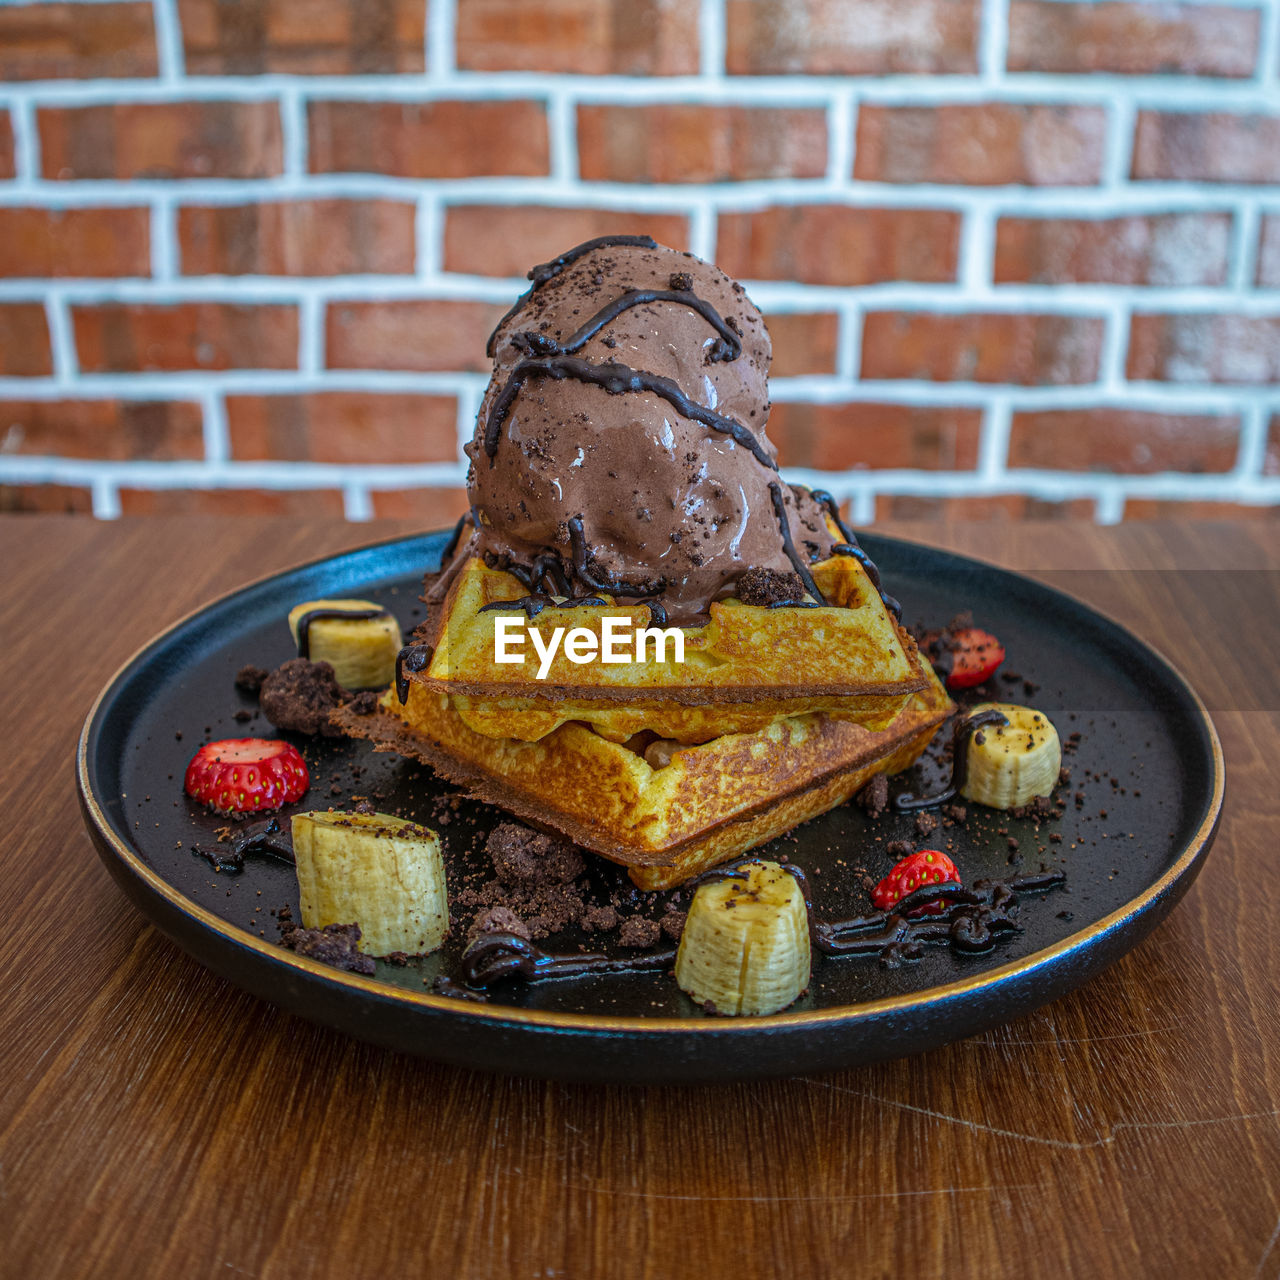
<point x="746" y="668"/>
<point x="712" y="802"/>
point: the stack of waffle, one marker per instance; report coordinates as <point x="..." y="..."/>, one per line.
<point x="601" y="490"/>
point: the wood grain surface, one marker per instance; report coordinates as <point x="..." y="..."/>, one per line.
<point x="155" y="1121"/>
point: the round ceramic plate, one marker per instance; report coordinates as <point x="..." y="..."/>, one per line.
<point x="1141" y="810"/>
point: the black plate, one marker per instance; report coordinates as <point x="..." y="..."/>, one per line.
<point x="1147" y="755"/>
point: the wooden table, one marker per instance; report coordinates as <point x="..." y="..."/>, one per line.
<point x="155" y="1121"/>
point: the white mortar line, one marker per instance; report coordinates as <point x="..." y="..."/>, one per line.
<point x="164" y="240"/>
<point x="562" y="132"/>
<point x="1161" y="92"/>
<point x="711" y="38"/>
<point x="1122" y="123"/>
<point x="106" y="498"/>
<point x="1110" y="508"/>
<point x="1254" y="424"/>
<point x="61" y="339"/>
<point x="842" y="124"/>
<point x="977" y="251"/>
<point x="849" y="348"/>
<point x="428" y="241"/>
<point x="1245" y="247"/>
<point x="993" y="41"/>
<point x="356" y="503"/>
<point x="311" y="334"/>
<point x="1269" y="47"/>
<point x="1115" y="350"/>
<point x="171" y="56"/>
<point x="993" y="445"/>
<point x="26" y="142"/>
<point x="702" y="231"/>
<point x="217" y="436"/>
<point x="440" y="36"/>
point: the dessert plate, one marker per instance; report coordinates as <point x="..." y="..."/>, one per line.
<point x="1142" y="810"/>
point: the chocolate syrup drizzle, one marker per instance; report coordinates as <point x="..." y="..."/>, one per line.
<point x="315" y="615"/>
<point x="789" y="546"/>
<point x="413" y="657"/>
<point x="617" y="379"/>
<point x="259" y="837"/>
<point x="534" y="604"/>
<point x="728" y="346"/>
<point x="546" y="271"/>
<point x="960" y="735"/>
<point x="598" y="581"/>
<point x="852" y="548"/>
<point x="971" y="924"/>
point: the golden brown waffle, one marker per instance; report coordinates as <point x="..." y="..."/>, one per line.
<point x="747" y="667"/>
<point x="710" y="803"/>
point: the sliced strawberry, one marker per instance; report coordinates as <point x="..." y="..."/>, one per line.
<point x="976" y="656"/>
<point x="914" y="872"/>
<point x="246" y="775"/>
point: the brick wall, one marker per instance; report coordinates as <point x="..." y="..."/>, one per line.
<point x="1019" y="257"/>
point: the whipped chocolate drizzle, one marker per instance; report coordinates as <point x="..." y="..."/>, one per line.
<point x="960" y="736"/>
<point x="617" y="379"/>
<point x="789" y="546"/>
<point x="315" y="615"/>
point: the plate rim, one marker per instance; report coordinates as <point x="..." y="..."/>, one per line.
<point x="105" y="837"/>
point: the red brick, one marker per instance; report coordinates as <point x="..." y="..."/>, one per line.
<point x="76" y="41"/>
<point x="691" y="143"/>
<point x="1271" y="459"/>
<point x="851" y="37"/>
<point x="24" y="341"/>
<point x="299" y="503"/>
<point x="298" y="238"/>
<point x="144" y="338"/>
<point x="803" y="343"/>
<point x="1132" y="38"/>
<point x="321" y="37"/>
<point x="1028" y="350"/>
<point x="113" y="430"/>
<point x="7" y="169"/>
<point x="433" y="507"/>
<point x="838" y="437"/>
<point x="1171" y="509"/>
<point x="427" y="335"/>
<point x="585" y="37"/>
<point x="506" y="240"/>
<point x="1269" y="252"/>
<point x="161" y="140"/>
<point x="837" y="245"/>
<point x="981" y="144"/>
<point x="1212" y="146"/>
<point x="1159" y="249"/>
<point x="1123" y="440"/>
<point x="345" y="427"/>
<point x="429" y="139"/>
<point x="46" y="499"/>
<point x="1205" y="348"/>
<point x="75" y="242"/>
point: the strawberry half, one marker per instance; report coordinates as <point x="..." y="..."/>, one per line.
<point x="976" y="655"/>
<point x="247" y="775"/>
<point x="914" y="872"/>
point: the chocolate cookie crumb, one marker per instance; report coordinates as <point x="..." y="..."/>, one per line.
<point x="522" y="856"/>
<point x="899" y="848"/>
<point x="299" y="695"/>
<point x="250" y="678"/>
<point x="925" y="823"/>
<point x="600" y="919"/>
<point x="498" y="920"/>
<point x="364" y="703"/>
<point x="335" y="944"/>
<point x="763" y="587"/>
<point x="672" y="923"/>
<point x="874" y="797"/>
<point x="639" y="932"/>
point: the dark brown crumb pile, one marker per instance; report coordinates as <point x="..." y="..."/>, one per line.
<point x="535" y="882"/>
<point x="874" y="797"/>
<point x="639" y="932"/>
<point x="763" y="587"/>
<point x="335" y="944"/>
<point x="250" y="678"/>
<point x="299" y="695"/>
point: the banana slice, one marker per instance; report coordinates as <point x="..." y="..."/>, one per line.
<point x="745" y="945"/>
<point x="383" y="873"/>
<point x="1013" y="763"/>
<point x="358" y="637"/>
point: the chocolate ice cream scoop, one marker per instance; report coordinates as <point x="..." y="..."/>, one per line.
<point x="621" y="444"/>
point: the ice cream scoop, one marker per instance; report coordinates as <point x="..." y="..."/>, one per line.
<point x="621" y="444"/>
